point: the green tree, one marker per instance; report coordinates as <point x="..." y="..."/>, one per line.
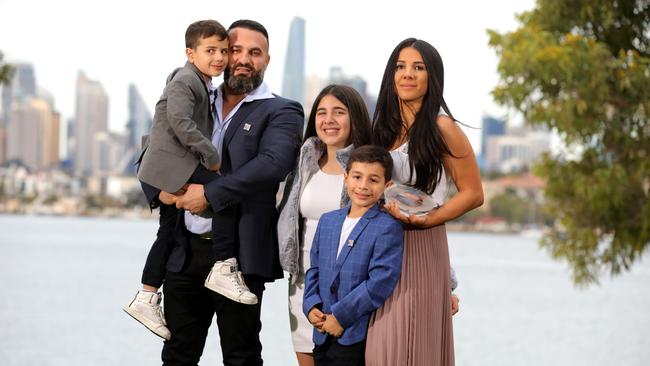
<point x="511" y="207"/>
<point x="6" y="71"/>
<point x="581" y="67"/>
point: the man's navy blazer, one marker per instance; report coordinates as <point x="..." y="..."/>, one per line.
<point x="260" y="148"/>
<point x="352" y="284"/>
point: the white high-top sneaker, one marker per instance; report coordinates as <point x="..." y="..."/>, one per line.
<point x="145" y="308"/>
<point x="226" y="279"/>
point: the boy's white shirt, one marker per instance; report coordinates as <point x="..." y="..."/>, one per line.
<point x="346" y="230"/>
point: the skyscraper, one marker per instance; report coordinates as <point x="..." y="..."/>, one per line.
<point x="491" y="127"/>
<point x="140" y="121"/>
<point x="24" y="84"/>
<point x="293" y="81"/>
<point x="337" y="76"/>
<point x="107" y="152"/>
<point x="23" y="130"/>
<point x="138" y="125"/>
<point x="6" y="103"/>
<point x="21" y="88"/>
<point x="33" y="133"/>
<point x="91" y="118"/>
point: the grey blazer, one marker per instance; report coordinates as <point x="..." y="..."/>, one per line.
<point x="181" y="131"/>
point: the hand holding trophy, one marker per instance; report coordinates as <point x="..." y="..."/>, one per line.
<point x="409" y="205"/>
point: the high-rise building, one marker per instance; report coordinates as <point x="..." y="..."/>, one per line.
<point x="293" y="81"/>
<point x="24" y="83"/>
<point x="313" y="85"/>
<point x="107" y="152"/>
<point x="5" y="104"/>
<point x="3" y="142"/>
<point x="138" y="125"/>
<point x="140" y="121"/>
<point x="33" y="134"/>
<point x="516" y="150"/>
<point x="491" y="127"/>
<point x="21" y="88"/>
<point x="24" y="125"/>
<point x="337" y="76"/>
<point x="91" y="118"/>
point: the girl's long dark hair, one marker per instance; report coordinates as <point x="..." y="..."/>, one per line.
<point x="426" y="147"/>
<point x="359" y="118"/>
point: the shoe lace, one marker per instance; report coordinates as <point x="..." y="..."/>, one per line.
<point x="158" y="313"/>
<point x="238" y="281"/>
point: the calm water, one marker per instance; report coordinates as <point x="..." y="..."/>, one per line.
<point x="64" y="281"/>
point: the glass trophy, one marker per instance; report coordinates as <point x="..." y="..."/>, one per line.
<point x="410" y="201"/>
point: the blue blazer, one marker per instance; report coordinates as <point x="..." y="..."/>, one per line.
<point x="260" y="148"/>
<point x="358" y="281"/>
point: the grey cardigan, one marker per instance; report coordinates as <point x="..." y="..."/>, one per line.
<point x="290" y="220"/>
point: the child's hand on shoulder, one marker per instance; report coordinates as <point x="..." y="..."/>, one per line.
<point x="316" y="318"/>
<point x="216" y="167"/>
<point x="332" y="326"/>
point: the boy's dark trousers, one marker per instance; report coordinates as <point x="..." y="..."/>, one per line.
<point x="331" y="353"/>
<point x="223" y="234"/>
<point x="190" y="308"/>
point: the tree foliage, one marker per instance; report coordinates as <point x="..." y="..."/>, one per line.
<point x="6" y="71"/>
<point x="581" y="67"/>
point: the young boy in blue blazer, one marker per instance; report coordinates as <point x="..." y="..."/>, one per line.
<point x="356" y="259"/>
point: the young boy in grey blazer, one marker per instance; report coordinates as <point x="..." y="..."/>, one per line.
<point x="179" y="151"/>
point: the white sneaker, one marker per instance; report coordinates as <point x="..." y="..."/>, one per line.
<point x="145" y="308"/>
<point x="225" y="279"/>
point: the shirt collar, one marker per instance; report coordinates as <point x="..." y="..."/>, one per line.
<point x="261" y="92"/>
<point x="210" y="86"/>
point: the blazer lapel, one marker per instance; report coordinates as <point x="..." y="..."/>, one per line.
<point x="198" y="73"/>
<point x="336" y="234"/>
<point x="244" y="110"/>
<point x="349" y="243"/>
<point x="351" y="240"/>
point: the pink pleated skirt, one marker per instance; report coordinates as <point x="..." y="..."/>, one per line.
<point x="413" y="327"/>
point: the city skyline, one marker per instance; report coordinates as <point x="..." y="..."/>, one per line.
<point x="140" y="43"/>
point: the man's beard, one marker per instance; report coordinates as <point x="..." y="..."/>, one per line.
<point x="243" y="84"/>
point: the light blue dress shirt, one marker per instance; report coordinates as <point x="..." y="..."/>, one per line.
<point x="200" y="225"/>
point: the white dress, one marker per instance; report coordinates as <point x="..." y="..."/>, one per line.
<point x="321" y="194"/>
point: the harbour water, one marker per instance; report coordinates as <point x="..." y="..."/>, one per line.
<point x="64" y="281"/>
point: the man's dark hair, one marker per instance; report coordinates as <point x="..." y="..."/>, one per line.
<point x="372" y="154"/>
<point x="203" y="29"/>
<point x="252" y="25"/>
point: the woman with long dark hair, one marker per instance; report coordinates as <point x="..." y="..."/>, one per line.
<point x="337" y="123"/>
<point x="413" y="121"/>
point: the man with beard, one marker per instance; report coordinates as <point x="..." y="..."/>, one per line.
<point x="257" y="135"/>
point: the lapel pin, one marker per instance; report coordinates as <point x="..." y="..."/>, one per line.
<point x="350" y="243"/>
<point x="247" y="126"/>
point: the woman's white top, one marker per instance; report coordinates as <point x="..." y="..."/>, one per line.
<point x="401" y="172"/>
<point x="321" y="194"/>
